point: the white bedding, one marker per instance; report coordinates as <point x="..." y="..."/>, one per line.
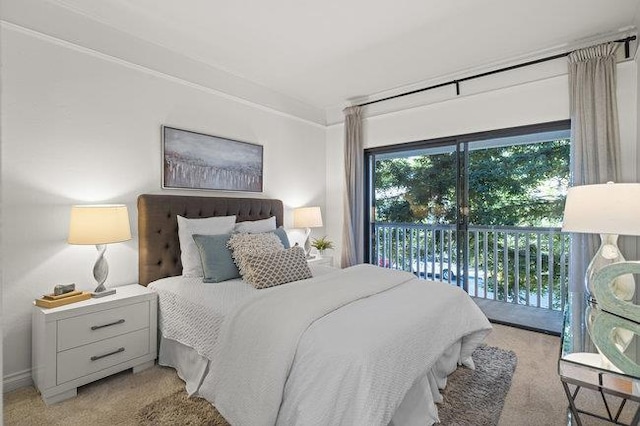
<point x="385" y="367"/>
<point x="256" y="356"/>
<point x="192" y="312"/>
<point x="382" y="355"/>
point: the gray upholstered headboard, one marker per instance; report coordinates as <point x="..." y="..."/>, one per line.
<point x="159" y="247"/>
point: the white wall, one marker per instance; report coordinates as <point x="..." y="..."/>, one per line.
<point x="527" y="96"/>
<point x="81" y="127"/>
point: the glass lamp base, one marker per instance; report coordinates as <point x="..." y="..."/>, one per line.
<point x="608" y="253"/>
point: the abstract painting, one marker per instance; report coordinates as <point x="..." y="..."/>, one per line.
<point x="197" y="161"/>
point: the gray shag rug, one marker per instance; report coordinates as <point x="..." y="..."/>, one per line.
<point x="476" y="397"/>
<point x="472" y="397"/>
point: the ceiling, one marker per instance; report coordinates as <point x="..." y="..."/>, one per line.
<point x="324" y="53"/>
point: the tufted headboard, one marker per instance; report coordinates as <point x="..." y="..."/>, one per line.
<point x="159" y="247"/>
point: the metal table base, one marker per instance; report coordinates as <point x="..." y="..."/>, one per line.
<point x="614" y="419"/>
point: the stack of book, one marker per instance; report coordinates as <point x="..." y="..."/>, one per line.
<point x="53" y="301"/>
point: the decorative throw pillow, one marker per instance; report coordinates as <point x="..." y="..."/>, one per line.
<point x="217" y="263"/>
<point x="256" y="226"/>
<point x="190" y="256"/>
<point x="282" y="234"/>
<point x="263" y="225"/>
<point x="275" y="268"/>
<point x="242" y="245"/>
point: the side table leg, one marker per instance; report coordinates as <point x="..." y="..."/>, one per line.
<point x="572" y="405"/>
<point x="636" y="417"/>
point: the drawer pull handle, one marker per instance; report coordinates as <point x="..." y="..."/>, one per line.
<point x="97" y="357"/>
<point x="97" y="327"/>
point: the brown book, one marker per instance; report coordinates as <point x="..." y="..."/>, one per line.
<point x="45" y="303"/>
<point x="61" y="296"/>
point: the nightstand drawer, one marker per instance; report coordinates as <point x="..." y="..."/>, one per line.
<point x="78" y="362"/>
<point x="84" y="329"/>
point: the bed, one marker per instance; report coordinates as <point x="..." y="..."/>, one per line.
<point x="359" y="346"/>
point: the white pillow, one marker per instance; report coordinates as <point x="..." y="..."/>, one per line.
<point x="190" y="256"/>
<point x="256" y="226"/>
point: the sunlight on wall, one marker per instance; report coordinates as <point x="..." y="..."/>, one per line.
<point x="79" y="185"/>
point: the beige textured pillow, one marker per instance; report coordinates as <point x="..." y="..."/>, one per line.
<point x="242" y="245"/>
<point x="276" y="267"/>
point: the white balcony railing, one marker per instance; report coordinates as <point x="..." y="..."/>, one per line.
<point x="520" y="265"/>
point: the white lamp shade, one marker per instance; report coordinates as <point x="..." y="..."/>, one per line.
<point x="99" y="224"/>
<point x="307" y="217"/>
<point x="611" y="208"/>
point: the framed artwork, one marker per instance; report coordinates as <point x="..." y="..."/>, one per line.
<point x="194" y="160"/>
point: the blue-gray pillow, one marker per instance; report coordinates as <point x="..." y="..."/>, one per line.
<point x="217" y="263"/>
<point x="282" y="234"/>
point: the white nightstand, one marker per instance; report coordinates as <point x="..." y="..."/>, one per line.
<point x="82" y="342"/>
<point x="321" y="260"/>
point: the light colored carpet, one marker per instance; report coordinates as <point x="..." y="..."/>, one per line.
<point x="535" y="397"/>
<point x="113" y="400"/>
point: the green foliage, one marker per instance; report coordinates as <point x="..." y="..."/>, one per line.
<point x="416" y="190"/>
<point x="512" y="186"/>
<point x="520" y="185"/>
<point x="322" y="243"/>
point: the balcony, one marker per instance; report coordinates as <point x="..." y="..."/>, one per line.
<point x="515" y="274"/>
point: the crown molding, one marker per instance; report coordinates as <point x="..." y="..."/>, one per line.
<point x="56" y="23"/>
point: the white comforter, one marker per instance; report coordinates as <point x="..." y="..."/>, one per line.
<point x="342" y="348"/>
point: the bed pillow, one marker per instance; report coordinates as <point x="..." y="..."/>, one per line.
<point x="189" y="254"/>
<point x="256" y="226"/>
<point x="242" y="245"/>
<point x="217" y="263"/>
<point x="275" y="268"/>
<point x="282" y="234"/>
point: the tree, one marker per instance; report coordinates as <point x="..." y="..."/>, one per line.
<point x="517" y="185"/>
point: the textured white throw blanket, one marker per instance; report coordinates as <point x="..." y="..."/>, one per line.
<point x="362" y="363"/>
<point x="321" y="351"/>
<point x="259" y="341"/>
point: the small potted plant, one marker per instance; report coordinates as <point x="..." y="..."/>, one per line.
<point x="321" y="244"/>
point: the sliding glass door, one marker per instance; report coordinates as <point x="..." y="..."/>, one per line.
<point x="479" y="211"/>
<point x="415" y="210"/>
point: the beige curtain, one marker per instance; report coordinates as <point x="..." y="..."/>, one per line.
<point x="595" y="136"/>
<point x="352" y="235"/>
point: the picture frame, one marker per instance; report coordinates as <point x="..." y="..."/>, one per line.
<point x="193" y="160"/>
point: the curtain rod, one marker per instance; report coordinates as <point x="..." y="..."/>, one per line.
<point x="457" y="82"/>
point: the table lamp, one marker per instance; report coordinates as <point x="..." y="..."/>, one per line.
<point x="307" y="217"/>
<point x="610" y="210"/>
<point x="99" y="225"/>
